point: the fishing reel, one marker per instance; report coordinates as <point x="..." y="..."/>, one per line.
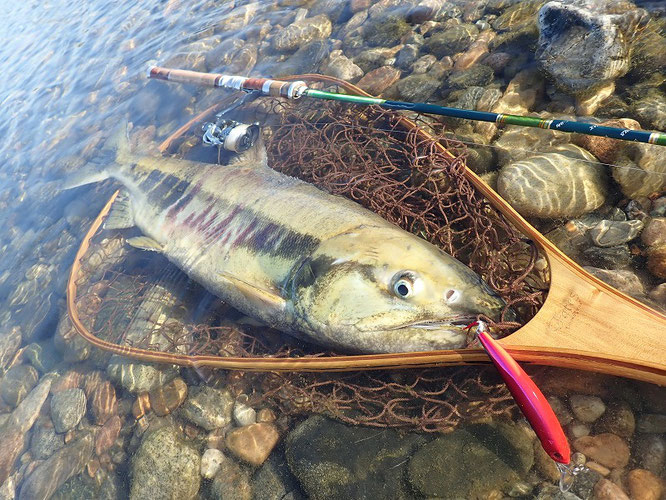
<point x="230" y="135"/>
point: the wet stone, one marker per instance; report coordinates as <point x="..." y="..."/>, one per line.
<point x="651" y="423"/>
<point x="623" y="279"/>
<point x="640" y="170"/>
<point x="244" y="414"/>
<point x="378" y="80"/>
<point x="305" y="60"/>
<point x="211" y="461"/>
<point x="301" y="32"/>
<point x="654" y="232"/>
<point x="330" y="459"/>
<point x="584" y="482"/>
<point x="465" y="463"/>
<point x="67" y="409"/>
<point x="618" y="419"/>
<point x="608" y="258"/>
<point x="552" y="492"/>
<point x="10" y="341"/>
<point x="610" y="233"/>
<point x="107" y="435"/>
<point x="45" y="441"/>
<point x="574" y="184"/>
<point x="231" y="481"/>
<point x="650" y="450"/>
<point x="407" y="56"/>
<point x="273" y="480"/>
<point x="644" y="485"/>
<point x="47" y="477"/>
<point x="587" y="408"/>
<point x="138" y="377"/>
<point x="656" y="263"/>
<point x="253" y="443"/>
<point x="17" y="383"/>
<point x="651" y="111"/>
<point x="451" y="41"/>
<point x="423" y="64"/>
<point x="580" y="49"/>
<point x="208" y="407"/>
<point x="168" y="397"/>
<point x="607" y="449"/>
<point x="165" y="466"/>
<point x="607" y="490"/>
<point x="103" y="402"/>
<point x="40" y="356"/>
<point x="340" y="66"/>
<point x="477" y="75"/>
<point x="578" y="429"/>
<point x="417" y="88"/>
<point x="387" y="31"/>
<point x="560" y="409"/>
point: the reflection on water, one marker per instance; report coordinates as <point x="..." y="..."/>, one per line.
<point x="77" y="424"/>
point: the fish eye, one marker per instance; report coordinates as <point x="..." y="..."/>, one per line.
<point x="403" y="285"/>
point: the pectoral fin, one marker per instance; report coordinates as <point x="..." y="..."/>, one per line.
<point x="259" y="297"/>
<point x="145" y="243"/>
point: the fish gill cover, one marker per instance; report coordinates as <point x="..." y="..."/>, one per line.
<point x="389" y="166"/>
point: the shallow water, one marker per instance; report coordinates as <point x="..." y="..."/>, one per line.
<point x="72" y="71"/>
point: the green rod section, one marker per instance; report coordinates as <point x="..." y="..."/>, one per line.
<point x="658" y="138"/>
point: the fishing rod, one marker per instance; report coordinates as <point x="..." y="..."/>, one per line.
<point x="298" y="89"/>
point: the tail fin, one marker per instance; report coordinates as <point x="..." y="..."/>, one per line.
<point x="116" y="151"/>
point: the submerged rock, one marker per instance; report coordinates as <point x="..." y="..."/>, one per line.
<point x="468" y="463"/>
<point x="208" y="407"/>
<point x="580" y="49"/>
<point x="417" y="88"/>
<point x="165" y="467"/>
<point x="47" y="477"/>
<point x="451" y="41"/>
<point x="333" y="460"/>
<point x="609" y="233"/>
<point x="17" y="383"/>
<point x="67" y="409"/>
<point x="607" y="449"/>
<point x="253" y="443"/>
<point x="563" y="182"/>
<point x="301" y="32"/>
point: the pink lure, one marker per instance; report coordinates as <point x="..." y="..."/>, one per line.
<point x="529" y="398"/>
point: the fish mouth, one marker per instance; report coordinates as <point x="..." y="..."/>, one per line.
<point x="457" y="322"/>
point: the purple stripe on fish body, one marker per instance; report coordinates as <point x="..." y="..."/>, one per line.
<point x="183" y="202"/>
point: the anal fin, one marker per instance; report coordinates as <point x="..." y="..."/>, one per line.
<point x="145" y="243"/>
<point x="260" y="298"/>
<point x="121" y="216"/>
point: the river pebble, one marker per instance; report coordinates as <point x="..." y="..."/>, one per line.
<point x="331" y="459"/>
<point x="211" y="461"/>
<point x="451" y="41"/>
<point x="644" y="485"/>
<point x="10" y="341"/>
<point x="565" y="182"/>
<point x="654" y="232"/>
<point x="640" y="170"/>
<point x="607" y="490"/>
<point x="231" y="481"/>
<point x="651" y="423"/>
<point x="657" y="260"/>
<point x="253" y="443"/>
<point x="45" y="441"/>
<point x="165" y="466"/>
<point x="623" y="279"/>
<point x="378" y="80"/>
<point x="168" y="397"/>
<point x="17" y="383"/>
<point x="605" y="148"/>
<point x="650" y="450"/>
<point x="107" y="435"/>
<point x="67" y="409"/>
<point x="610" y="233"/>
<point x="417" y="88"/>
<point x="587" y="408"/>
<point x="244" y="414"/>
<point x="208" y="407"/>
<point x="618" y="419"/>
<point x="340" y="66"/>
<point x="607" y="449"/>
<point x="301" y="32"/>
<point x="49" y="475"/>
<point x="103" y="402"/>
<point x="580" y="49"/>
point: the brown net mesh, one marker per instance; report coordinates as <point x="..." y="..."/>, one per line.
<point x="375" y="158"/>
